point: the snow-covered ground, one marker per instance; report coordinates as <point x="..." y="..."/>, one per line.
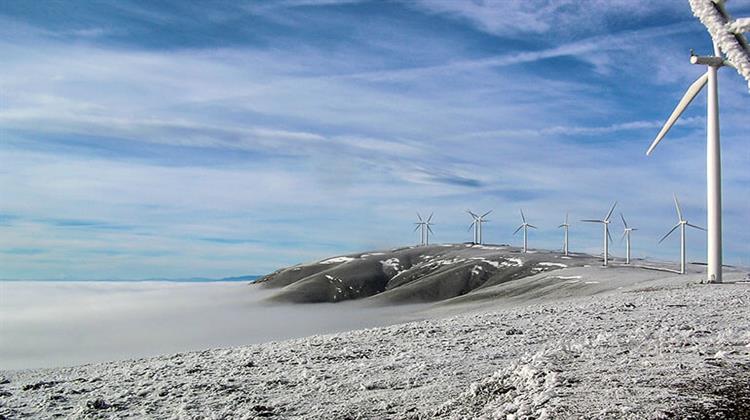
<point x="660" y="349"/>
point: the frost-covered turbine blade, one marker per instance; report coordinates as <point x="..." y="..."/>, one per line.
<point x="691" y="93"/>
<point x="623" y="221"/>
<point x="677" y="206"/>
<point x="610" y="212"/>
<point x="740" y="25"/>
<point x="669" y="233"/>
<point x="532" y="226"/>
<point x="519" y="228"/>
<point x="486" y="213"/>
<point x="419" y="225"/>
<point x="472" y="214"/>
<point x="522" y="216"/>
<point x="430" y="229"/>
<point x="430" y="218"/>
<point x="471" y="226"/>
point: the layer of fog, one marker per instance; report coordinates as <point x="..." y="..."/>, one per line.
<point x="48" y="324"/>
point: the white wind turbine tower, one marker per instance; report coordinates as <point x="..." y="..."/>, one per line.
<point x="565" y="226"/>
<point x="626" y="235"/>
<point x="525" y="226"/>
<point x="607" y="236"/>
<point x="477" y="225"/>
<point x="727" y="37"/>
<point x="681" y="223"/>
<point x="424" y="225"/>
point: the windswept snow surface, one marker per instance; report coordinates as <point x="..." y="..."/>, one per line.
<point x="337" y="260"/>
<point x="653" y="352"/>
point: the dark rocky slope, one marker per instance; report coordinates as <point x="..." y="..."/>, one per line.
<point x="414" y="274"/>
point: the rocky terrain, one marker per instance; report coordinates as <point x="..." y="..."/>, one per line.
<point x="414" y="274"/>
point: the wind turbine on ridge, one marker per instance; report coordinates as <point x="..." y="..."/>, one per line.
<point x="626" y="235"/>
<point x="728" y="33"/>
<point x="477" y="225"/>
<point x="426" y="229"/>
<point x="682" y="224"/>
<point x="565" y="226"/>
<point x="607" y="237"/>
<point x="525" y="226"/>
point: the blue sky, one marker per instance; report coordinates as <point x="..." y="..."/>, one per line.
<point x="176" y="139"/>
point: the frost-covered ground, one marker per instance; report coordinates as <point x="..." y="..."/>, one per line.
<point x="663" y="347"/>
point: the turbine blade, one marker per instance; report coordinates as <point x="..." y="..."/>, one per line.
<point x="470" y="226"/>
<point x="417" y="228"/>
<point x="677" y="205"/>
<point x="690" y="94"/>
<point x="532" y="226"/>
<point x="430" y="229"/>
<point x="519" y="228"/>
<point x="592" y="220"/>
<point x="522" y="216"/>
<point x="419" y="216"/>
<point x="566" y="218"/>
<point x="561" y="226"/>
<point x="610" y="211"/>
<point x="609" y="236"/>
<point x="624" y="234"/>
<point x="696" y="227"/>
<point x="669" y="233"/>
<point x="623" y="221"/>
<point x="472" y="214"/>
<point x="430" y="218"/>
<point x="487" y="213"/>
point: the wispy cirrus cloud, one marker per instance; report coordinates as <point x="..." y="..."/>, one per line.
<point x="265" y="137"/>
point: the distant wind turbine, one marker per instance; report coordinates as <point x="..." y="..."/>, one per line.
<point x="525" y="226"/>
<point x="729" y="41"/>
<point x="681" y="223"/>
<point x="626" y="235"/>
<point x="477" y="225"/>
<point x="607" y="236"/>
<point x="424" y="225"/>
<point x="565" y="227"/>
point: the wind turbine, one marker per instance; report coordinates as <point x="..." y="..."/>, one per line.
<point x="681" y="223"/>
<point x="426" y="229"/>
<point x="525" y="226"/>
<point x="565" y="226"/>
<point x="726" y="35"/>
<point x="607" y="236"/>
<point x="477" y="225"/>
<point x="626" y="235"/>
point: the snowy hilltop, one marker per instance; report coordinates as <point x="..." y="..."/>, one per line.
<point x="414" y="274"/>
<point x="454" y="273"/>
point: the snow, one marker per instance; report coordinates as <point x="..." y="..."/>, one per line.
<point x="551" y="264"/>
<point x="657" y="353"/>
<point x="568" y="277"/>
<point x="392" y="263"/>
<point x="515" y="261"/>
<point x="721" y="33"/>
<point x="337" y="260"/>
